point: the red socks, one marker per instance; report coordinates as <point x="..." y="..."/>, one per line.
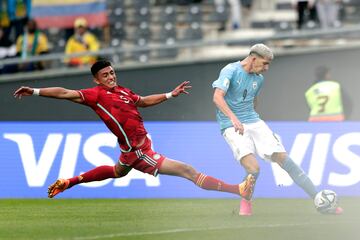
<point x="210" y="183"/>
<point x="96" y="174"/>
<point x="202" y="180"/>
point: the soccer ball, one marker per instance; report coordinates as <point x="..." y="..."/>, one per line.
<point x="326" y="201"/>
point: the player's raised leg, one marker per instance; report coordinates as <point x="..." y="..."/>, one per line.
<point x="295" y="172"/>
<point x="299" y="176"/>
<point x="180" y="169"/>
<point x="97" y="174"/>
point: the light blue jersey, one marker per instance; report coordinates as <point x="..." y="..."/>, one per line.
<point x="241" y="88"/>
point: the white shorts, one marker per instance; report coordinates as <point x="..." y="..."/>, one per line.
<point x="257" y="139"/>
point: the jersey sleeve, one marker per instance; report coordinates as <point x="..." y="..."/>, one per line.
<point x="89" y="96"/>
<point x="134" y="96"/>
<point x="223" y="82"/>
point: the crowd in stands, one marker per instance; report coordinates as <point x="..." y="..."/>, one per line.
<point x="138" y="23"/>
<point x="324" y="11"/>
<point x="81" y="41"/>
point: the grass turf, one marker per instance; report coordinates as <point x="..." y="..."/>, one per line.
<point x="87" y="219"/>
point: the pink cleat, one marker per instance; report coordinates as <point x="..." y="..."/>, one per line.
<point x="336" y="211"/>
<point x="339" y="211"/>
<point x="245" y="207"/>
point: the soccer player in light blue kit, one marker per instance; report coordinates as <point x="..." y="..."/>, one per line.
<point x="235" y="96"/>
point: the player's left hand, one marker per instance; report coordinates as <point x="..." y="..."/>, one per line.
<point x="182" y="88"/>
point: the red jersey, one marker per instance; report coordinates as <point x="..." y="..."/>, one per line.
<point x="116" y="107"/>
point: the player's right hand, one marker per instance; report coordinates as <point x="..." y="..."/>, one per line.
<point x="239" y="128"/>
<point x="23" y="91"/>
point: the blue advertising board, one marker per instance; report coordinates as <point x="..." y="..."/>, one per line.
<point x="34" y="154"/>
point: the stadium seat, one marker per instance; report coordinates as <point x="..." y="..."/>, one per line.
<point x="261" y="24"/>
<point x="98" y="33"/>
<point x="115" y="42"/>
<point x="56" y="39"/>
<point x="142" y="14"/>
<point x="59" y="46"/>
<point x="117" y="14"/>
<point x="112" y="4"/>
<point x="167" y="31"/>
<point x="116" y="58"/>
<point x="193" y="14"/>
<point x="168" y="14"/>
<point x="143" y="31"/>
<point x="284" y="26"/>
<point x="137" y="4"/>
<point x="220" y="15"/>
<point x="141" y="55"/>
<point x="117" y="30"/>
<point x="194" y="32"/>
<point x="168" y="52"/>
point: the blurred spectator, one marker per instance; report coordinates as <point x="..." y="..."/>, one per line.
<point x="81" y="41"/>
<point x="7" y="50"/>
<point x="240" y="12"/>
<point x="306" y="13"/>
<point x="246" y="13"/>
<point x="328" y="13"/>
<point x="18" y="13"/>
<point x="268" y="5"/>
<point x="31" y="43"/>
<point x="235" y="12"/>
<point x="324" y="98"/>
<point x="186" y="2"/>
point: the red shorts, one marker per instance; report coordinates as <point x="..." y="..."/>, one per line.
<point x="143" y="158"/>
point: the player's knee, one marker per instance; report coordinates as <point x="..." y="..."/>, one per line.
<point x="279" y="157"/>
<point x="251" y="166"/>
<point x="188" y="172"/>
<point x="120" y="171"/>
<point x="117" y="171"/>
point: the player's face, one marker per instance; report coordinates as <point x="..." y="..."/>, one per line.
<point x="80" y="30"/>
<point x="106" y="77"/>
<point x="260" y="65"/>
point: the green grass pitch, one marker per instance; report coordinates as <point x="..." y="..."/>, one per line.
<point x="200" y="219"/>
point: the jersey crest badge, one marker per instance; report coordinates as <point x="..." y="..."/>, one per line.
<point x="254" y="85"/>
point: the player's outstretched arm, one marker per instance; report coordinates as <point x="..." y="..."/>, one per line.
<point x="154" y="99"/>
<point x="52" y="92"/>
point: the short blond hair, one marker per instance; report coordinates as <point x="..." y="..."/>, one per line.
<point x="262" y="50"/>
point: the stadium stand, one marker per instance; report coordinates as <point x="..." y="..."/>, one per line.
<point x="152" y="30"/>
<point x="167" y="14"/>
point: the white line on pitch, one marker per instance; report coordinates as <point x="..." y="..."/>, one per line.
<point x="181" y="230"/>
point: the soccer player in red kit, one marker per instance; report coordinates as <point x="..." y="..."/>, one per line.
<point x="117" y="108"/>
